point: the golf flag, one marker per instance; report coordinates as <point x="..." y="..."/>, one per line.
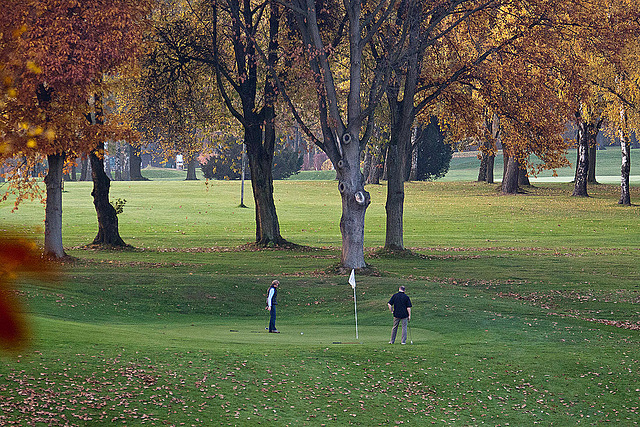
<point x="352" y="279"/>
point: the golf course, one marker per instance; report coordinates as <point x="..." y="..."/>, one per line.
<point x="526" y="309"/>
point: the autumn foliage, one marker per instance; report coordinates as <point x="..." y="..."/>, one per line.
<point x="53" y="57"/>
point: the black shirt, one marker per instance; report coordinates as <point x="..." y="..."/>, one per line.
<point x="400" y="302"/>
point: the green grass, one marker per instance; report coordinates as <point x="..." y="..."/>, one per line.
<point x="516" y="302"/>
<point x="465" y="168"/>
<point x="607" y="168"/>
<point x="167" y="174"/>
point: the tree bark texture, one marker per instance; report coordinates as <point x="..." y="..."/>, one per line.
<point x="53" y="210"/>
<point x="625" y="170"/>
<point x="582" y="166"/>
<point x="108" y="233"/>
<point x="413" y="169"/>
<point x="355" y="201"/>
<point x="510" y="178"/>
<point x="484" y="166"/>
<point x="366" y="162"/>
<point x="523" y="178"/>
<point x="394" y="237"/>
<point x="376" y="168"/>
<point x="593" y="148"/>
<point x="106" y="163"/>
<point x="117" y="166"/>
<point x="487" y="165"/>
<point x="260" y="165"/>
<point x="489" y="147"/>
<point x="135" y="165"/>
<point x="192" y="164"/>
<point x="85" y="168"/>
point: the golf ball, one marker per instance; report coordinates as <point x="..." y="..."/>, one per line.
<point x="301" y="333"/>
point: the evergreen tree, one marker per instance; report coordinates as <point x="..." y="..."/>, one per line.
<point x="434" y="154"/>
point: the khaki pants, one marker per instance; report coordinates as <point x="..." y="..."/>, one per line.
<point x="394" y="330"/>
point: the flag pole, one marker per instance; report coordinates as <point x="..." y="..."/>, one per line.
<point x="352" y="282"/>
<point x="355" y="305"/>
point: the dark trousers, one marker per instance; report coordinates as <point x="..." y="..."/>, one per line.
<point x="272" y="318"/>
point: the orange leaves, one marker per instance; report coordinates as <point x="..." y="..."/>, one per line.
<point x="17" y="255"/>
<point x="53" y="55"/>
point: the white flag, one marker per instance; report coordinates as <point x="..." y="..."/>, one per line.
<point x="352" y="279"/>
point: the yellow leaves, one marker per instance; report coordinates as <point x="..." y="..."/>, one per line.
<point x="31" y="143"/>
<point x="50" y="134"/>
<point x="19" y="31"/>
<point x="35" y="131"/>
<point x="33" y="67"/>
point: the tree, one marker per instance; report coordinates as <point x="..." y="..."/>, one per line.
<point x="228" y="38"/>
<point x="434" y="154"/>
<point x="58" y="58"/>
<point x="346" y="102"/>
<point x="108" y="232"/>
<point x="224" y="162"/>
<point x="286" y="162"/>
<point x="602" y="47"/>
<point x="588" y="129"/>
<point x="489" y="146"/>
<point x="611" y="70"/>
<point x="172" y="102"/>
<point x="625" y="170"/>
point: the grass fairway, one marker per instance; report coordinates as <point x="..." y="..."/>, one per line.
<point x="526" y="310"/>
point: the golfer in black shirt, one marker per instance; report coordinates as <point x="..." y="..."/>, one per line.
<point x="400" y="306"/>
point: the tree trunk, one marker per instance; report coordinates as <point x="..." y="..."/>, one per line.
<point x="510" y="178"/>
<point x="491" y="160"/>
<point x="378" y="160"/>
<point x="582" y="166"/>
<point x="377" y="165"/>
<point x="402" y="114"/>
<point x="366" y="163"/>
<point x="394" y="207"/>
<point x="523" y="178"/>
<point x="260" y="165"/>
<point x="413" y="169"/>
<point x="355" y="201"/>
<point x="487" y="163"/>
<point x="117" y="165"/>
<point x="107" y="218"/>
<point x="625" y="196"/>
<point x="125" y="153"/>
<point x="135" y="165"/>
<point x="482" y="171"/>
<point x="192" y="164"/>
<point x="53" y="210"/>
<point x="106" y="164"/>
<point x="490" y="145"/>
<point x="85" y="169"/>
<point x="593" y="148"/>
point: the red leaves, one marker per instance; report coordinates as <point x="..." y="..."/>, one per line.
<point x="16" y="256"/>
